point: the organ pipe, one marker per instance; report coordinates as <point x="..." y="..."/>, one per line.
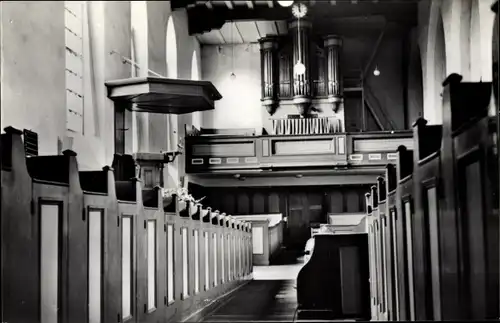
<point x="301" y="83"/>
<point x="269" y="73"/>
<point x="333" y="45"/>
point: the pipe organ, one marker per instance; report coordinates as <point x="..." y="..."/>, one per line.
<point x="319" y="84"/>
<point x="332" y="47"/>
<point x="269" y="75"/>
<point x="300" y="31"/>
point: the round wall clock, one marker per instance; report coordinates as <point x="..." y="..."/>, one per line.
<point x="299" y="10"/>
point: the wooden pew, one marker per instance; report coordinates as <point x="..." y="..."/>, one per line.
<point x="62" y="233"/>
<point x="426" y="230"/>
<point x="19" y="279"/>
<point x="391" y="218"/>
<point x="372" y="260"/>
<point x="404" y="240"/>
<point x="470" y="130"/>
<point x="67" y="237"/>
<point x="442" y="205"/>
<point x="334" y="283"/>
<point x="104" y="245"/>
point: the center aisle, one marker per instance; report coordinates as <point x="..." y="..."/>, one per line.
<point x="259" y="300"/>
<point x="270" y="297"/>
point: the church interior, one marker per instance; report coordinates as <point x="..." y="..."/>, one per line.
<point x="249" y="161"/>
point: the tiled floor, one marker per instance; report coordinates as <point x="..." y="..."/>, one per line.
<point x="270" y="297"/>
<point x="281" y="272"/>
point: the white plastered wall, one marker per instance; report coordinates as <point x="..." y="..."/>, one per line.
<point x="467" y="27"/>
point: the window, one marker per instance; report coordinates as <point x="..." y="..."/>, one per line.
<point x="74" y="14"/>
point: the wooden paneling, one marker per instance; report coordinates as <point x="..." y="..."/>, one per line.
<point x="232" y="149"/>
<point x="302" y="205"/>
<point x="207" y="153"/>
<point x="76" y="275"/>
<point x="446" y="251"/>
<point x="381" y="145"/>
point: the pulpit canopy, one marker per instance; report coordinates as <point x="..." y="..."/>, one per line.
<point x="163" y="95"/>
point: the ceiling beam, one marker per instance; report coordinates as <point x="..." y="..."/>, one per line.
<point x="222" y="36"/>
<point x="229" y="4"/>
<point x="239" y="33"/>
<point x="277" y="28"/>
<point x="258" y="31"/>
<point x="202" y="19"/>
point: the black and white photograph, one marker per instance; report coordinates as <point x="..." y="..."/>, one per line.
<point x="249" y="161"/>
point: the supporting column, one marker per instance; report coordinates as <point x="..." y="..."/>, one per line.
<point x="301" y="82"/>
<point x="269" y="73"/>
<point x="333" y="46"/>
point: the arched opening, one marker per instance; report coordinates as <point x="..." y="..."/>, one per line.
<point x="415" y="86"/>
<point x="171" y="56"/>
<point x="195" y="75"/>
<point x="475" y="43"/>
<point x="171" y="49"/>
<point x="171" y="120"/>
<point x="465" y="39"/>
<point x="439" y="68"/>
<point x="495" y="44"/>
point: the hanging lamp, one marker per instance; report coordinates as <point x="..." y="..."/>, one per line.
<point x="285" y="3"/>
<point x="232" y="76"/>
<point x="299" y="11"/>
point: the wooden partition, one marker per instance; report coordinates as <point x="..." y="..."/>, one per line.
<point x="96" y="246"/>
<point x="433" y="217"/>
<point x="267" y="237"/>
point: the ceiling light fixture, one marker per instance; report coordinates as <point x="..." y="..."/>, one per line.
<point x="285" y="3"/>
<point x="376" y="72"/>
<point x="232" y="76"/>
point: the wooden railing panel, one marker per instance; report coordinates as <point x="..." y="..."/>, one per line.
<point x="207" y="154"/>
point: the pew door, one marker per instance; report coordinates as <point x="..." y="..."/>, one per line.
<point x="150" y="266"/>
<point x="475" y="240"/>
<point x="51" y="261"/>
<point x="128" y="257"/>
<point x="96" y="247"/>
<point x="432" y="248"/>
<point x="394" y="263"/>
<point x="354" y="275"/>
<point x="406" y="218"/>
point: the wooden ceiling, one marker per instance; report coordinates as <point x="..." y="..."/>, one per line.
<point x="243" y="32"/>
<point x="205" y="16"/>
